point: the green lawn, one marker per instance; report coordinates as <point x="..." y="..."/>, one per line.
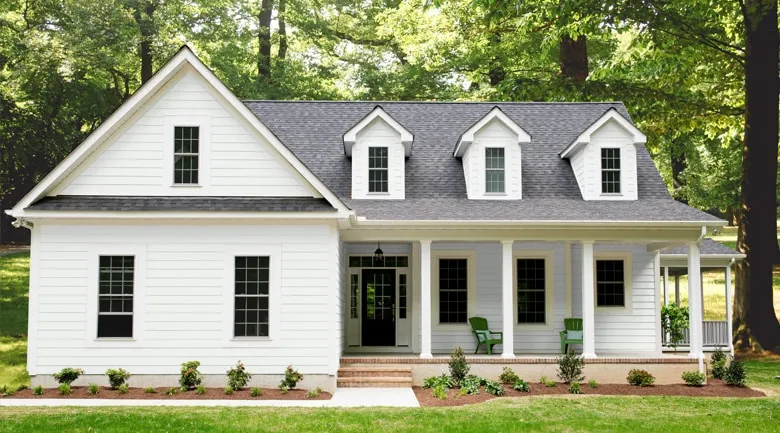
<point x="14" y="280"/>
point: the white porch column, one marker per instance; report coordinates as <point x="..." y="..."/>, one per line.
<point x="677" y="289"/>
<point x="728" y="308"/>
<point x="507" y="306"/>
<point x="588" y="302"/>
<point x="425" y="298"/>
<point x="666" y="285"/>
<point x="695" y="301"/>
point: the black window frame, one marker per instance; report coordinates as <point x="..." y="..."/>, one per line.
<point x="611" y="170"/>
<point x="500" y="160"/>
<point x="116" y="296"/>
<point x="453" y="290"/>
<point x="186" y="155"/>
<point x="378" y="169"/>
<point x="532" y="274"/>
<point x="611" y="283"/>
<point x="252" y="296"/>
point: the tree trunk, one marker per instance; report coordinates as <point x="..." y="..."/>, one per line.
<point x="264" y="38"/>
<point x="678" y="166"/>
<point x="143" y="13"/>
<point x="282" y="30"/>
<point x="496" y="73"/>
<point x="758" y="327"/>
<point x="574" y="57"/>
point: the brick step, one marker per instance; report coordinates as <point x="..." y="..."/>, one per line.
<point x="374" y="371"/>
<point x="374" y="382"/>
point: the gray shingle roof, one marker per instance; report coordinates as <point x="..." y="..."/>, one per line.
<point x="707" y="246"/>
<point x="237" y="204"/>
<point x="435" y="186"/>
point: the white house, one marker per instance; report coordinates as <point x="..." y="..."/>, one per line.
<point x="194" y="226"/>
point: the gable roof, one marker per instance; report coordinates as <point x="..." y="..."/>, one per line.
<point x="407" y="138"/>
<point x="495" y="113"/>
<point x="146" y="92"/>
<point x="612" y="114"/>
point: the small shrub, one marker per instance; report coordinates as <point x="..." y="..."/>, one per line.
<point x="190" y="376"/>
<point x="494" y="388"/>
<point x="470" y="384"/>
<point x="593" y="384"/>
<point x="693" y="378"/>
<point x="521" y="385"/>
<point x="543" y="380"/>
<point x="718" y="363"/>
<point x="735" y="374"/>
<point x="256" y="392"/>
<point x="93" y="389"/>
<point x="238" y="377"/>
<point x="123" y="388"/>
<point x="574" y="388"/>
<point x="440" y="392"/>
<point x="5" y="391"/>
<point x="291" y="377"/>
<point x="200" y="390"/>
<point x="459" y="367"/>
<point x="117" y="377"/>
<point x="228" y="390"/>
<point x="65" y="389"/>
<point x="150" y="390"/>
<point x="173" y="391"/>
<point x="434" y="381"/>
<point x="314" y="393"/>
<point x="38" y="390"/>
<point x="570" y="367"/>
<point x="22" y="387"/>
<point x="550" y="384"/>
<point x="284" y="389"/>
<point x="508" y="376"/>
<point x="68" y="375"/>
<point x="640" y="378"/>
<point x="674" y="322"/>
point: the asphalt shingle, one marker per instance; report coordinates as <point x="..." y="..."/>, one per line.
<point x="227" y="204"/>
<point x="707" y="246"/>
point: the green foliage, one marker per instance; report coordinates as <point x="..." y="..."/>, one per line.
<point x="521" y="385"/>
<point x="434" y="381"/>
<point x="314" y="393"/>
<point x="117" y="377"/>
<point x="65" y="389"/>
<point x="123" y="388"/>
<point x="228" y="390"/>
<point x="469" y="385"/>
<point x="459" y="367"/>
<point x="570" y="367"/>
<point x="238" y="377"/>
<point x="718" y="363"/>
<point x="640" y="378"/>
<point x="735" y="373"/>
<point x="674" y="321"/>
<point x="172" y="391"/>
<point x="574" y="388"/>
<point x="150" y="390"/>
<point x="38" y="390"/>
<point x="508" y="376"/>
<point x="93" y="389"/>
<point x="440" y="392"/>
<point x="291" y="377"/>
<point x="5" y="391"/>
<point x="593" y="384"/>
<point x="200" y="390"/>
<point x="22" y="387"/>
<point x="68" y="375"/>
<point x="693" y="378"/>
<point x="494" y="388"/>
<point x="284" y="389"/>
<point x="256" y="392"/>
<point x="190" y="376"/>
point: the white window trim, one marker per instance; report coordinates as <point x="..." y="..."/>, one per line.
<point x="368" y="170"/>
<point x="204" y="149"/>
<point x="139" y="280"/>
<point x="620" y="172"/>
<point x="274" y="295"/>
<point x="627" y="281"/>
<point x="549" y="288"/>
<point x="505" y="170"/>
<point x="471" y="296"/>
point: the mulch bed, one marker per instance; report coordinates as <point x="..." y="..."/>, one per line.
<point x="141" y="394"/>
<point x="714" y="388"/>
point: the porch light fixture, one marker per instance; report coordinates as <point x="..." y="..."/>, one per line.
<point x="379" y="255"/>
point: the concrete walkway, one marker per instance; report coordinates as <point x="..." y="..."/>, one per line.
<point x="343" y="397"/>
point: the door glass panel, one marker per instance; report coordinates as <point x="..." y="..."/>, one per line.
<point x="402" y="296"/>
<point x="354" y="295"/>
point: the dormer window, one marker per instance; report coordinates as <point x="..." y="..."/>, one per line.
<point x="610" y="171"/>
<point x="494" y="170"/>
<point x="377" y="169"/>
<point x="186" y="140"/>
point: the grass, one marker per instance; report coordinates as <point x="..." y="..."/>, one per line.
<point x="14" y="280"/>
<point x="615" y="414"/>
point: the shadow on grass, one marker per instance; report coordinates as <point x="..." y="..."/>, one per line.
<point x="13" y="361"/>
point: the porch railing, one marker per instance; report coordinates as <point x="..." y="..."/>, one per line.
<point x="716" y="333"/>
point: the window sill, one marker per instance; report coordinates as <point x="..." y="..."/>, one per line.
<point x="378" y="193"/>
<point x="186" y="185"/>
<point x="495" y="194"/>
<point x="101" y="339"/>
<point x="239" y="339"/>
<point x="613" y="309"/>
<point x="533" y="326"/>
<point x="611" y="194"/>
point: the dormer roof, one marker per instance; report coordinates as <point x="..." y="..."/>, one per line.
<point x="610" y="115"/>
<point x="495" y="113"/>
<point x="407" y="138"/>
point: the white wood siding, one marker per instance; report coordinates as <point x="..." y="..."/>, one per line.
<point x="493" y="134"/>
<point x="378" y="133"/>
<point x="182" y="298"/>
<point x="235" y="161"/>
<point x="586" y="163"/>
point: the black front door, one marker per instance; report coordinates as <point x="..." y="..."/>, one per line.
<point x="378" y="307"/>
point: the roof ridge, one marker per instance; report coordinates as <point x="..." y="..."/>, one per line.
<point x="496" y="103"/>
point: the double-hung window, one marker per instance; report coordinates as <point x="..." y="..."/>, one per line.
<point x="531" y="284"/>
<point x="610" y="171"/>
<point x="115" y="296"/>
<point x="610" y="283"/>
<point x="453" y="290"/>
<point x="186" y="143"/>
<point x="494" y="170"/>
<point x="251" y="296"/>
<point x="377" y="169"/>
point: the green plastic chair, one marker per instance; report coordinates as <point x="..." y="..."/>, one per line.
<point x="572" y="334"/>
<point x="479" y="326"/>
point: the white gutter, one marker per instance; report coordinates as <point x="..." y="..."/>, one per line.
<point x="362" y="221"/>
<point x="734" y="257"/>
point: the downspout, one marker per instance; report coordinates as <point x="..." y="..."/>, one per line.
<point x="703" y="234"/>
<point x="21" y="222"/>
